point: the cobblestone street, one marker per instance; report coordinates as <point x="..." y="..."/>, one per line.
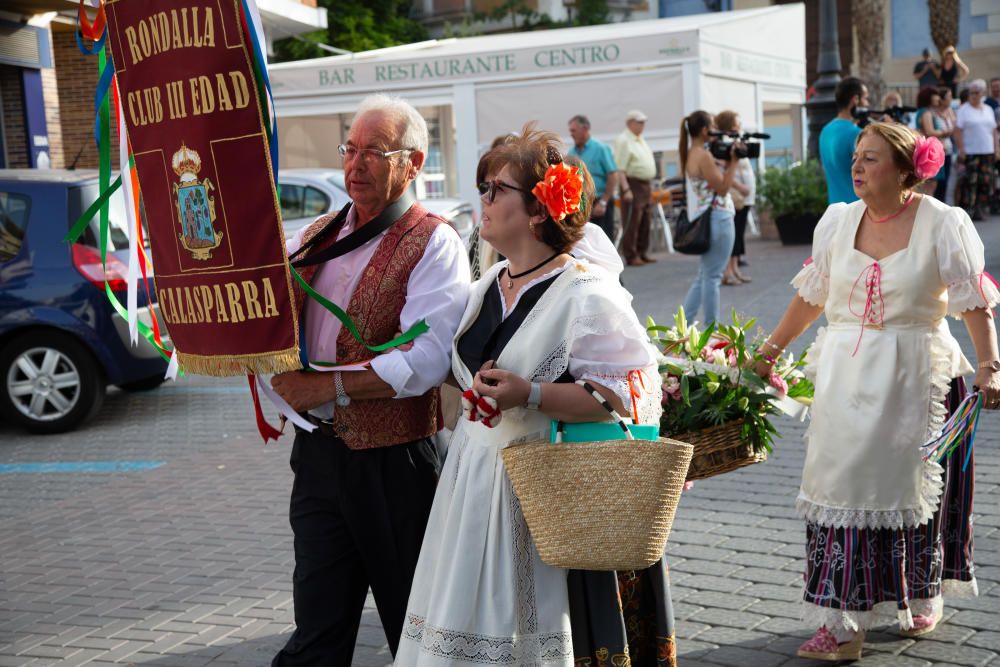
<point x="188" y="561"/>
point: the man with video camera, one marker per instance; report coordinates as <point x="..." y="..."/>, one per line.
<point x="836" y="141"/>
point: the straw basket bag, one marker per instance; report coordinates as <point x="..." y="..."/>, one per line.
<point x="599" y="504"/>
<point x="719" y="449"/>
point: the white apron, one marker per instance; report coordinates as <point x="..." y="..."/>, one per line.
<point x="481" y="595"/>
<point x="879" y="398"/>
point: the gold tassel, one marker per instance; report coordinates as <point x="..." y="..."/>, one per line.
<point x="264" y="363"/>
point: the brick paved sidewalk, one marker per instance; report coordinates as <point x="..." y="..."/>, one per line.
<point x="189" y="564"/>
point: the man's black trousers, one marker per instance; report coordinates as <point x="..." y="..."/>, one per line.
<point x="358" y="517"/>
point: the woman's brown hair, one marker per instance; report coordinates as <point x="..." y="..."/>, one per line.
<point x="902" y="141"/>
<point x="528" y="156"/>
<point x="691" y="127"/>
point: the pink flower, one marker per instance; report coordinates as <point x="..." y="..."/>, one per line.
<point x="778" y="383"/>
<point x="672" y="387"/>
<point x="928" y="156"/>
<point x="731" y="357"/>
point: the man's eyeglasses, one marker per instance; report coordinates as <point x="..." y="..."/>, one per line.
<point x="489" y="189"/>
<point x="368" y="155"/>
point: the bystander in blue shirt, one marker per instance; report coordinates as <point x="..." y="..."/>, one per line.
<point x="836" y="149"/>
<point x="599" y="160"/>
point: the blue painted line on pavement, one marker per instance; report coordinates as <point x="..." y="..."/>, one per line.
<point x="80" y="466"/>
<point x="203" y="390"/>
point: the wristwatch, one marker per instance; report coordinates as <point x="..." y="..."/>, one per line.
<point x="343" y="400"/>
<point x="534" y="397"/>
<point x="993" y="365"/>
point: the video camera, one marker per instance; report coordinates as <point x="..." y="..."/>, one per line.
<point x="723" y="143"/>
<point x="863" y="114"/>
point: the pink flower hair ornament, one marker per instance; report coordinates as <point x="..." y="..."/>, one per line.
<point x="928" y="156"/>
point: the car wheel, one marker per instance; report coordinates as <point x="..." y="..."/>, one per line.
<point x="49" y="382"/>
<point x="146" y="384"/>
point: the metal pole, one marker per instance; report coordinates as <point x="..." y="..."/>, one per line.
<point x="822" y="108"/>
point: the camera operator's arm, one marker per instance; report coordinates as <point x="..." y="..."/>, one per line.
<point x="963" y="69"/>
<point x="713" y="175"/>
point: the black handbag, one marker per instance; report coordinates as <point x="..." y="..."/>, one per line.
<point x="694" y="237"/>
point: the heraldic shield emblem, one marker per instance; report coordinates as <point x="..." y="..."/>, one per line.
<point x="195" y="205"/>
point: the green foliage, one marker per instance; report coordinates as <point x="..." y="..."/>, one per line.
<point x="798" y="189"/>
<point x="591" y="12"/>
<point x="357" y="25"/>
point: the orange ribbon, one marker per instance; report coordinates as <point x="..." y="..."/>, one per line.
<point x="634" y="392"/>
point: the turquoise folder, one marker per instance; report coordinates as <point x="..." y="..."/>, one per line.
<point x="597" y="431"/>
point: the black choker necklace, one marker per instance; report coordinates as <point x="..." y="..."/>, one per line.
<point x="511" y="277"/>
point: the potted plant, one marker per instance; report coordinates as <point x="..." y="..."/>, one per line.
<point x="796" y="197"/>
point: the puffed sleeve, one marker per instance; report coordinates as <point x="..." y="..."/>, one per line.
<point x="962" y="262"/>
<point x="609" y="346"/>
<point x="813" y="281"/>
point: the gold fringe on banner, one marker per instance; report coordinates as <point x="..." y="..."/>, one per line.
<point x="263" y="363"/>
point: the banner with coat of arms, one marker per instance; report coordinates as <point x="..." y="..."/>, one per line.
<point x="198" y="128"/>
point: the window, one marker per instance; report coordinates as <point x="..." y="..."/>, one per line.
<point x="81" y="198"/>
<point x="302" y="201"/>
<point x="14" y="211"/>
<point x="291" y="201"/>
<point x="316" y="203"/>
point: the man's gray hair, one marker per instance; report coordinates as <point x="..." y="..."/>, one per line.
<point x="414" y="127"/>
<point x="581" y="120"/>
<point x="978" y="84"/>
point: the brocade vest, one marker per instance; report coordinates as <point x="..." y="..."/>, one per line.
<point x="375" y="307"/>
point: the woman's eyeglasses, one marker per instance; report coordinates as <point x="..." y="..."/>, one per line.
<point x="489" y="189"/>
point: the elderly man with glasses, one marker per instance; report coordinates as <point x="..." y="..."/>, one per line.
<point x="365" y="475"/>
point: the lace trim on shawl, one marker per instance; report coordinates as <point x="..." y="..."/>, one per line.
<point x="812" y="285"/>
<point x="932" y="479"/>
<point x="977" y="291"/>
<point x="555" y="364"/>
<point x="548" y="648"/>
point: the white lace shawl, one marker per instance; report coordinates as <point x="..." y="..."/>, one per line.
<point x="583" y="323"/>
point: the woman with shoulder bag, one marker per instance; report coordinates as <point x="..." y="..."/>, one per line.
<point x="707" y="186"/>
<point x="537" y="323"/>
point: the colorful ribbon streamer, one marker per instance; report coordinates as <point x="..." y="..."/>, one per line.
<point x="962" y="424"/>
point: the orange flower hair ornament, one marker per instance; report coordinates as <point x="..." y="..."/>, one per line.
<point x="560" y="191"/>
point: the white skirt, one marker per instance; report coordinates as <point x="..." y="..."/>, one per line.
<point x="481" y="595"/>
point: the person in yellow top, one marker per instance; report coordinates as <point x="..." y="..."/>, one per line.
<point x="634" y="158"/>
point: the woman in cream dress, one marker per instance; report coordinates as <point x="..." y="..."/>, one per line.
<point x="887" y="533"/>
<point x="536" y="323"/>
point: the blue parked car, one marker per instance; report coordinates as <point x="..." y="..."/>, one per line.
<point x="61" y="342"/>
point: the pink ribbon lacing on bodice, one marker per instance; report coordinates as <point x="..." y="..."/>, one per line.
<point x="874" y="312"/>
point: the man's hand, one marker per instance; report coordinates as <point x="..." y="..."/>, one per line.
<point x="627" y="196"/>
<point x="304" y="391"/>
<point x="600" y="208"/>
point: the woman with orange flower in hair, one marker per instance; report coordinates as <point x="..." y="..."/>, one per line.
<point x="538" y="325"/>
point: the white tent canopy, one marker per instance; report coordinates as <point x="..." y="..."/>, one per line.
<point x="738" y="60"/>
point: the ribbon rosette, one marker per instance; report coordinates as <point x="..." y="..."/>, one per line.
<point x="560" y="191"/>
<point x="928" y="156"/>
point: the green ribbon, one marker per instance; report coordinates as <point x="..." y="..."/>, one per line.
<point x="108" y="188"/>
<point x="81" y="223"/>
<point x="407" y="336"/>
